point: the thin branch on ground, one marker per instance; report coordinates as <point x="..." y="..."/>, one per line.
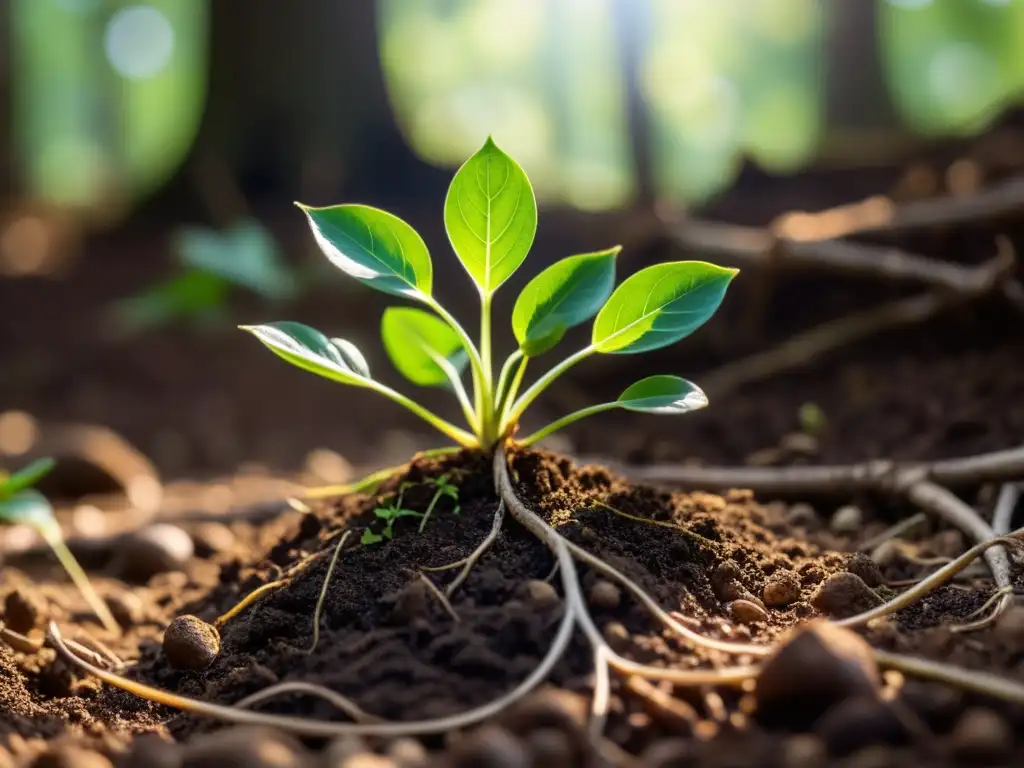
<point x="811" y="345"/>
<point x="876" y="475"/>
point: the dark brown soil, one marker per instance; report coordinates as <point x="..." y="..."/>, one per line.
<point x="390" y="646"/>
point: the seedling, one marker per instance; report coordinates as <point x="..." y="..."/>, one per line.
<point x="20" y="503"/>
<point x="491" y="217"/>
<point x="389" y="514"/>
<point x="444" y="489"/>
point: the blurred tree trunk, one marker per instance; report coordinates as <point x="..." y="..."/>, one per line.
<point x="863" y="126"/>
<point x="296" y="92"/>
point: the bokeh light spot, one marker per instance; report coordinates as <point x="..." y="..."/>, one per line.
<point x="139" y="41"/>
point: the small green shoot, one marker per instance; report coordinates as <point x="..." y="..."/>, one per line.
<point x="490" y="214"/>
<point x="443" y="489"/>
<point x="389" y="514"/>
<point x="21" y="504"/>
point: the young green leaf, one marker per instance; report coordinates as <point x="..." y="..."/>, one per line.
<point x="307" y="348"/>
<point x="491" y="216"/>
<point x="26" y="477"/>
<point x="421" y="346"/>
<point x="659" y="306"/>
<point x="567" y="293"/>
<point x="663" y="394"/>
<point x="374" y="247"/>
<point x="656" y="394"/>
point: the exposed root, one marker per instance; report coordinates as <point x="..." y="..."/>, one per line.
<point x="345" y="705"/>
<point x="931" y="582"/>
<point x="966" y="679"/>
<point x="319" y="729"/>
<point x="1006" y="505"/>
<point x="702" y="540"/>
<point x="249" y="599"/>
<point x="440" y="596"/>
<point x="323" y="591"/>
<point x="996" y="599"/>
<point x="468" y="562"/>
<point x="935" y="498"/>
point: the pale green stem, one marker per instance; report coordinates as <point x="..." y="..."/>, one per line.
<point x="506" y="371"/>
<point x="446" y="427"/>
<point x="544" y="382"/>
<point x="513" y="390"/>
<point x="565" y="421"/>
<point x="460" y="391"/>
<point x="475" y="364"/>
<point x="486" y="403"/>
<point x="51" y="534"/>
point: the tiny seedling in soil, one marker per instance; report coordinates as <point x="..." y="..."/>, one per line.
<point x="21" y="504"/>
<point x="443" y="488"/>
<point x="491" y="218"/>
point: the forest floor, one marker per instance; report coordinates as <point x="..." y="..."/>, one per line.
<point x="229" y="429"/>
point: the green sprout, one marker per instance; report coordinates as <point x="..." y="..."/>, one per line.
<point x="389" y="514"/>
<point x="491" y="217"/>
<point x="20" y="503"/>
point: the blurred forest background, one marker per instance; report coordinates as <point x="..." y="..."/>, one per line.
<point x="150" y="152"/>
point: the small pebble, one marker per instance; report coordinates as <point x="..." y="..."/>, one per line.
<point x="781" y="589"/>
<point x="847" y="520"/>
<point x="549" y="708"/>
<point x="860" y="721"/>
<point x="126" y="608"/>
<point x="1009" y="629"/>
<point x="604" y="596"/>
<point x="818" y="665"/>
<point x="155" y="549"/>
<point x="71" y="757"/>
<point x="982" y="736"/>
<point x="490" y="746"/>
<point x="365" y="760"/>
<point x="190" y="643"/>
<point x="863" y="566"/>
<point x="802" y="515"/>
<point x="541" y="594"/>
<point x="23" y="610"/>
<point x="811" y="574"/>
<point x="616" y="635"/>
<point x="248" y="746"/>
<point x="844" y="594"/>
<point x="937" y="705"/>
<point x="725" y="580"/>
<point x="746" y="612"/>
